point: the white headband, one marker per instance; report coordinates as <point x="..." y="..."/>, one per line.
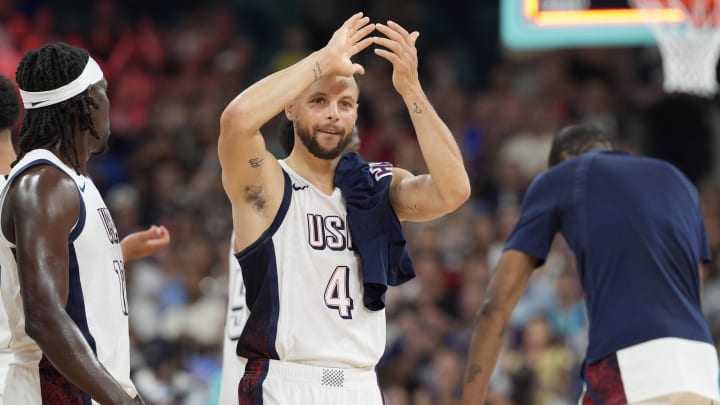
<point x="38" y="99"/>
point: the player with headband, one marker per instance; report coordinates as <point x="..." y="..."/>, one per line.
<point x="63" y="278"/>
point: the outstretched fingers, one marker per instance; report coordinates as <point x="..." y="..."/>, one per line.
<point x="357" y="21"/>
<point x="358" y="29"/>
<point x="391" y="57"/>
<point x="390" y="44"/>
<point x="394" y="32"/>
<point x="362" y="32"/>
<point x="398" y="48"/>
<point x="356" y="48"/>
<point x="354" y="19"/>
<point x="399" y="43"/>
<point x="397" y="27"/>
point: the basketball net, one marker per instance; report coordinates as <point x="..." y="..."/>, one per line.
<point x="689" y="49"/>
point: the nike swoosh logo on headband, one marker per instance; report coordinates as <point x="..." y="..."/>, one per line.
<point x="34" y="103"/>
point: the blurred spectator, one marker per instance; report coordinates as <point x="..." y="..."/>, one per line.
<point x="173" y="66"/>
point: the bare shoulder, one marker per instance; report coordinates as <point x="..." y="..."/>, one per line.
<point x="35" y="185"/>
<point x="42" y="197"/>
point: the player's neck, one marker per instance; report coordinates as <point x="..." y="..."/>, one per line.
<point x="319" y="172"/>
<point x="58" y="151"/>
<point x="82" y="148"/>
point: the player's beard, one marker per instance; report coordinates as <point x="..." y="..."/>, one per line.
<point x="311" y="143"/>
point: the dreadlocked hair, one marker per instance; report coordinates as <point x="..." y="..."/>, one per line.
<point x="9" y="103"/>
<point x="47" y="68"/>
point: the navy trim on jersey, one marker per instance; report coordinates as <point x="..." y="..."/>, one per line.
<point x="32" y="163"/>
<point x="80" y="224"/>
<point x="78" y="228"/>
<point x="259" y="271"/>
<point x="55" y="388"/>
<point x="75" y="306"/>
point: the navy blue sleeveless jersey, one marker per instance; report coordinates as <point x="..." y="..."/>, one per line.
<point x="635" y="226"/>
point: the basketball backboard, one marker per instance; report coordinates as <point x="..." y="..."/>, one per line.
<point x="528" y="24"/>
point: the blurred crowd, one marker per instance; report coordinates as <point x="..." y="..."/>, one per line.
<point x="173" y="66"/>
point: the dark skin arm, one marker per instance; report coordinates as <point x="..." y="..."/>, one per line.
<point x="506" y="287"/>
<point x="40" y="231"/>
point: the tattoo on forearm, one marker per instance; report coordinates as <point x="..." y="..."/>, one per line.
<point x="317" y="71"/>
<point x="416" y="108"/>
<point x="473" y="372"/>
<point x="255" y="162"/>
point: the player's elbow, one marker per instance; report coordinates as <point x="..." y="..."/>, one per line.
<point x="457" y="194"/>
<point x="235" y="119"/>
<point x="38" y="325"/>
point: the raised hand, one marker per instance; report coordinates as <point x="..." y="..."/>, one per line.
<point x="401" y="52"/>
<point x="345" y="43"/>
<point x="144" y="243"/>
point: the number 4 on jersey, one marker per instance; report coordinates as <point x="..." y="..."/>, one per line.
<point x="336" y="292"/>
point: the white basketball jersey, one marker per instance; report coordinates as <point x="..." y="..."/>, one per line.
<point x="5" y="353"/>
<point x="96" y="295"/>
<point x="233" y="366"/>
<point x="304" y="286"/>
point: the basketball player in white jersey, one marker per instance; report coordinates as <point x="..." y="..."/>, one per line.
<point x="63" y="284"/>
<point x="312" y="336"/>
<point x="134" y="246"/>
<point x="233" y="366"/>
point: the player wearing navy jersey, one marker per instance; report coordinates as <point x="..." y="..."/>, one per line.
<point x="315" y="332"/>
<point x="635" y="226"/>
<point x="63" y="282"/>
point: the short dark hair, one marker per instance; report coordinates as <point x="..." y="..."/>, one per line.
<point x="576" y="140"/>
<point x="9" y="103"/>
<point x="286" y="136"/>
<point x="48" y="68"/>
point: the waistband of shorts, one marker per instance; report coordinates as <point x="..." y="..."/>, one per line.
<point x="29" y="357"/>
<point x="312" y="374"/>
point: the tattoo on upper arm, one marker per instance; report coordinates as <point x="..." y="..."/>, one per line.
<point x="416" y="108"/>
<point x="317" y="71"/>
<point x="255" y="162"/>
<point x="473" y="372"/>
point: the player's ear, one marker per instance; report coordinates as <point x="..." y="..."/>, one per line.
<point x="565" y="156"/>
<point x="290" y="112"/>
